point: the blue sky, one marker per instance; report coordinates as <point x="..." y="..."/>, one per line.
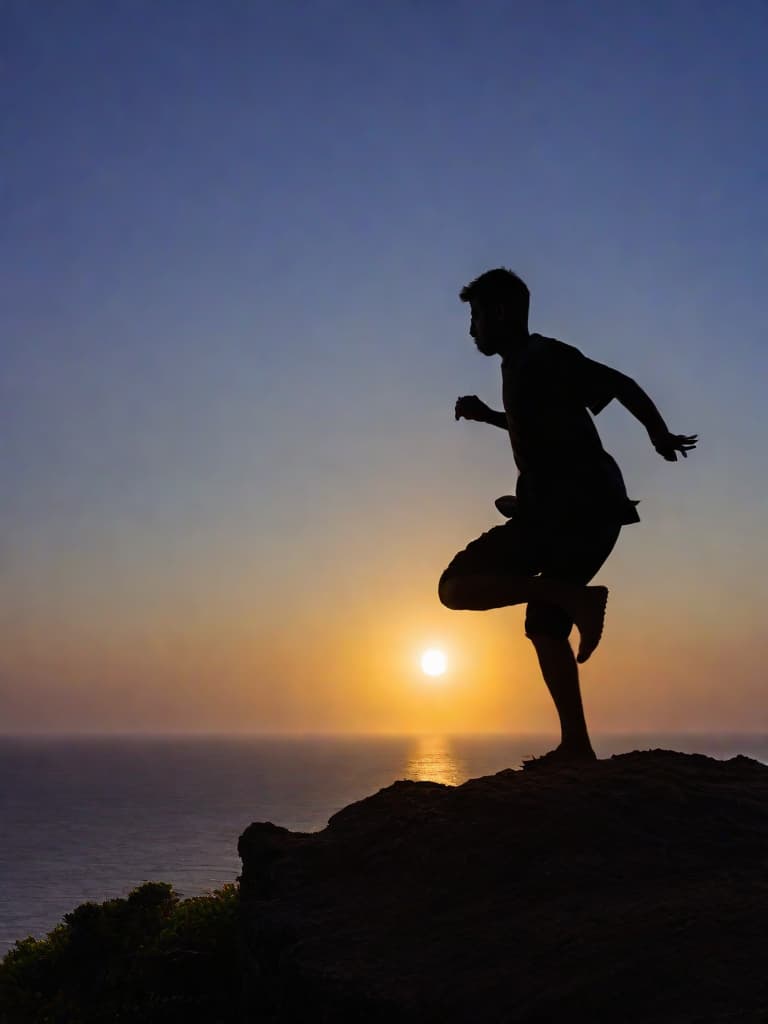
<point x="233" y="235"/>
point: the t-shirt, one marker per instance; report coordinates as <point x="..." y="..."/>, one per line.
<point x="549" y="390"/>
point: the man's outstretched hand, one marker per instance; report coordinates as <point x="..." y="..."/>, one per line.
<point x="470" y="407"/>
<point x="668" y="445"/>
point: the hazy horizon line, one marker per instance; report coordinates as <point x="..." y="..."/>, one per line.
<point x="352" y="734"/>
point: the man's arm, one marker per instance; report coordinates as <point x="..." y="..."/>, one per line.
<point x="470" y="407"/>
<point x="635" y="400"/>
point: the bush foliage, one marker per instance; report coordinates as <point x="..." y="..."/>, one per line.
<point x="149" y="958"/>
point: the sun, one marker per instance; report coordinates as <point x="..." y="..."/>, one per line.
<point x="433" y="662"/>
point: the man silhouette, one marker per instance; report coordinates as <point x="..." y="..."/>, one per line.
<point x="570" y="501"/>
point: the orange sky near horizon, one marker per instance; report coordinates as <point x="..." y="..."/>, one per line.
<point x="243" y="653"/>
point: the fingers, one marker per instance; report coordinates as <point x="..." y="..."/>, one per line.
<point x="685" y="443"/>
<point x="682" y="443"/>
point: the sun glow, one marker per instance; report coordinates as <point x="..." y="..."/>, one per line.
<point x="433" y="662"/>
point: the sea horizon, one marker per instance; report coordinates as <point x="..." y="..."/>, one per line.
<point x="357" y="733"/>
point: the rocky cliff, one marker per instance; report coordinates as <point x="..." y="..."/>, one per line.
<point x="634" y="889"/>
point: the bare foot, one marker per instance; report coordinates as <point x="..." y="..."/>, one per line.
<point x="561" y="757"/>
<point x="590" y="616"/>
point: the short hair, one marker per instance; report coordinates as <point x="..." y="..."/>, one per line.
<point x="499" y="285"/>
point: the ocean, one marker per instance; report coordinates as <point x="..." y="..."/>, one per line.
<point x="90" y="818"/>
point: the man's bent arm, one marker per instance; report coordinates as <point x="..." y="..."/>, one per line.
<point x="635" y="400"/>
<point x="470" y="407"/>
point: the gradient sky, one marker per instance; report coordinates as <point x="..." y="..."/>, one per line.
<point x="233" y="235"/>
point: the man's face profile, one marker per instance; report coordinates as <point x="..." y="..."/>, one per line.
<point x="486" y="328"/>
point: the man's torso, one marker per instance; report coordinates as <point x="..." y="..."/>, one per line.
<point x="565" y="472"/>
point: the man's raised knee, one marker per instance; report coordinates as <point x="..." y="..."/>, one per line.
<point x="449" y="592"/>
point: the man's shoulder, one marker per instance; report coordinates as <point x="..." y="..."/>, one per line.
<point x="553" y="347"/>
<point x="552" y="353"/>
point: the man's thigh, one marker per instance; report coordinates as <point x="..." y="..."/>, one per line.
<point x="576" y="554"/>
<point x="506" y="550"/>
<point x="573" y="555"/>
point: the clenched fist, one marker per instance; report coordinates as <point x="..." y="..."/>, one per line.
<point x="470" y="407"/>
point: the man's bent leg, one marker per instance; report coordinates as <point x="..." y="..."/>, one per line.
<point x="561" y="674"/>
<point x="482" y="591"/>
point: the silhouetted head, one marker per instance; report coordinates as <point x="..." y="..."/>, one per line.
<point x="499" y="303"/>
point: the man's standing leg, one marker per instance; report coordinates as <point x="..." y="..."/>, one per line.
<point x="561" y="674"/>
<point x="576" y="560"/>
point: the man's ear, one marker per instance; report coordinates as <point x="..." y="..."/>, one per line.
<point x="499" y="311"/>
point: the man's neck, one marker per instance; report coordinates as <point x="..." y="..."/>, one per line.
<point x="515" y="343"/>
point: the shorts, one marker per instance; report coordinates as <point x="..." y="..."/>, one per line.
<point x="572" y="553"/>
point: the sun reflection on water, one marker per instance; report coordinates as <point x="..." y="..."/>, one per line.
<point x="432" y="759"/>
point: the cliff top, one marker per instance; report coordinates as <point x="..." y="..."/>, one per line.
<point x="634" y="888"/>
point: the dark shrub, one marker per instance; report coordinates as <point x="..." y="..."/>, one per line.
<point x="149" y="958"/>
